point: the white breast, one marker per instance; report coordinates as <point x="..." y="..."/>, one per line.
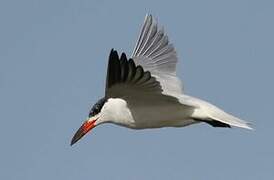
<point x="140" y="115"/>
<point x="116" y="111"/>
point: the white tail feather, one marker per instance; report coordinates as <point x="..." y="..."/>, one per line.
<point x="205" y="110"/>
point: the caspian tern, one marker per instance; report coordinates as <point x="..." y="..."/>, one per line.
<point x="144" y="92"/>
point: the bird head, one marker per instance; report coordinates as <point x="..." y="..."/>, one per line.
<point x="94" y="119"/>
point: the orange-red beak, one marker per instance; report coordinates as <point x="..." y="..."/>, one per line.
<point x="84" y="129"/>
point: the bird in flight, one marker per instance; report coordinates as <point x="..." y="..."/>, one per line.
<point x="143" y="91"/>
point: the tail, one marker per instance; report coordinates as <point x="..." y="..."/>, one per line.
<point x="216" y="117"/>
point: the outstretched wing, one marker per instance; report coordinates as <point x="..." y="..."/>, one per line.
<point x="125" y="79"/>
<point x="156" y="55"/>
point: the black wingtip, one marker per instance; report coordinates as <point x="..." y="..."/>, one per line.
<point x="113" y="52"/>
<point x="123" y="56"/>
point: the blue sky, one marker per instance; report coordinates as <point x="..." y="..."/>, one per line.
<point x="53" y="57"/>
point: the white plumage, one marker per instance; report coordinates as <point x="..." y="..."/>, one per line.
<point x="155" y="54"/>
<point x="145" y="92"/>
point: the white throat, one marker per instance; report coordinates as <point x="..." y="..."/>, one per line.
<point x="115" y="110"/>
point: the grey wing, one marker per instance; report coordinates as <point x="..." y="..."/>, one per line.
<point x="155" y="54"/>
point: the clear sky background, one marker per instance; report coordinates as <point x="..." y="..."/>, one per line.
<point x="53" y="57"/>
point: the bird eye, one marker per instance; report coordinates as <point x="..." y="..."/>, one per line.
<point x="90" y="114"/>
<point x="95" y="110"/>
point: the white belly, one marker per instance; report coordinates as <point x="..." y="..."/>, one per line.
<point x="155" y="116"/>
<point x="155" y="112"/>
<point x="149" y="114"/>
